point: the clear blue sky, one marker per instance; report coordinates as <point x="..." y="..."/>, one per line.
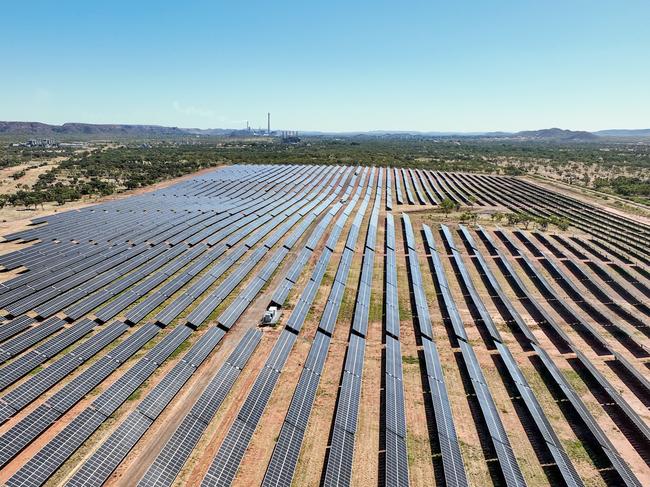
<point x="330" y="65"/>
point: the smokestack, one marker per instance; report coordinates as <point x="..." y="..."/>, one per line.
<point x="268" y="116"/>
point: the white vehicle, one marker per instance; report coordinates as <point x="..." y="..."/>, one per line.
<point x="271" y="316"/>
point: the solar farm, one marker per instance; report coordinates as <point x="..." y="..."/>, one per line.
<point x="411" y="349"/>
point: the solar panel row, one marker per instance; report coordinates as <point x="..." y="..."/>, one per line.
<point x="99" y="466"/>
<point x="507" y="461"/>
<point x="285" y="455"/>
<point x="181" y="225"/>
<point x="229" y="316"/>
<point x="115" y="306"/>
<point x="419" y="298"/>
<point x="35" y="334"/>
<point x="42" y="465"/>
<point x="418" y="189"/>
<point x="453" y="468"/>
<point x="407" y="186"/>
<point x="32" y="425"/>
<point x="607" y="447"/>
<point x="226" y="462"/>
<point x="395" y="458"/>
<point x="564" y="464"/>
<point x="33" y="358"/>
<point x="338" y="469"/>
<point x="176" y="451"/>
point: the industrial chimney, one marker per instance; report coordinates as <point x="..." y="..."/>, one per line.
<point x="268" y="117"/>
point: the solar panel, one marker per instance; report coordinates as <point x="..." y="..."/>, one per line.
<point x="321" y="265"/>
<point x="347" y="408"/>
<point x="31" y="389"/>
<point x="66" y="338"/>
<point x="396" y="466"/>
<point x="395" y="416"/>
<point x="120" y="390"/>
<point x="280" y="472"/>
<point x="224" y="467"/>
<point x="19" y="367"/>
<point x="204" y="345"/>
<point x="6" y="412"/>
<point x="317" y="353"/>
<point x="15" y="326"/>
<point x="58" y="303"/>
<point x="49" y="458"/>
<point x="355" y="355"/>
<point x="141" y="310"/>
<point x="96" y="470"/>
<point x="170" y="312"/>
<point x="281" y="350"/>
<point x="25" y="431"/>
<point x="339" y="466"/>
<point x="133" y="343"/>
<point x="86" y="305"/>
<point x="98" y="341"/>
<point x="393" y="358"/>
<point x="168" y="344"/>
<point x="32" y="336"/>
<point x="173" y="456"/>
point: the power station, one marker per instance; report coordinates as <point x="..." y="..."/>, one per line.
<point x="286" y="136"/>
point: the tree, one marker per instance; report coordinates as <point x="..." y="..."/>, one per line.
<point x="469" y="216"/>
<point x="497" y="216"/>
<point x="448" y="205"/>
<point x="559" y="222"/>
<point x="525" y="219"/>
<point x="40" y="199"/>
<point x="542" y="222"/>
<point x="512" y="218"/>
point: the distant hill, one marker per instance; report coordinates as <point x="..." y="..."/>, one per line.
<point x="552" y="134"/>
<point x="36" y="129"/>
<point x="557" y="134"/>
<point x="624" y="133"/>
<point x="91" y="131"/>
<point x="100" y="131"/>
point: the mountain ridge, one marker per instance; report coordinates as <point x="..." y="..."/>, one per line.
<point x="89" y="130"/>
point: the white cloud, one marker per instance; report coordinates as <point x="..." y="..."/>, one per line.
<point x="206" y="113"/>
<point x="195" y="111"/>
